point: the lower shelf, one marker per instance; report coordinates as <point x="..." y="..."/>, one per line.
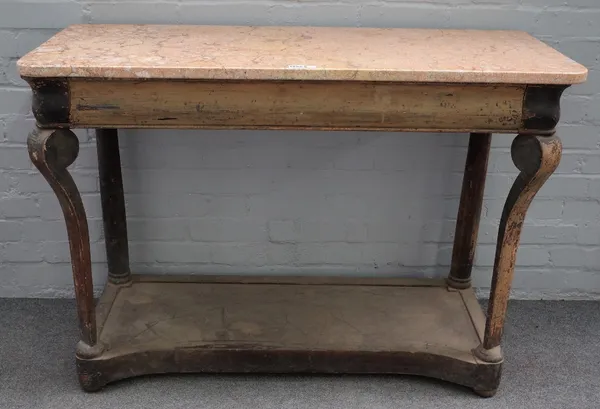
<point x="286" y="324"/>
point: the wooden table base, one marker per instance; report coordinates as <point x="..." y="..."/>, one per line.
<point x="210" y="77"/>
<point x="161" y="324"/>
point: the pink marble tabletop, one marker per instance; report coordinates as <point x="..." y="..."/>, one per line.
<point x="300" y="53"/>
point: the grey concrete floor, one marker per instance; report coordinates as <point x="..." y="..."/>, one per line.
<point x="552" y="351"/>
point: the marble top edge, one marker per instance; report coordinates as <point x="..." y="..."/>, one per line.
<point x="215" y="52"/>
<point x="470" y="77"/>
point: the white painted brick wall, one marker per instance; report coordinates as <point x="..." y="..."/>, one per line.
<point x="304" y="203"/>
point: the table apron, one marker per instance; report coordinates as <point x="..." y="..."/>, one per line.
<point x="310" y="105"/>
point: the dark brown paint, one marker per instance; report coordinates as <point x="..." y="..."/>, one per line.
<point x="113" y="205"/>
<point x="469" y="212"/>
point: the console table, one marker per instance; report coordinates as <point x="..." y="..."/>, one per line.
<point x="151" y="76"/>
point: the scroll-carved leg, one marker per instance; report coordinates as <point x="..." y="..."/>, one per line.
<point x="536" y="157"/>
<point x="52" y="151"/>
<point x="113" y="206"/>
<point x="469" y="212"/>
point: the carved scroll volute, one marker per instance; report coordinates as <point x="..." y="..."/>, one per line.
<point x="536" y="157"/>
<point x="52" y="151"/>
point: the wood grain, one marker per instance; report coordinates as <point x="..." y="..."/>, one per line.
<point x="536" y="157"/>
<point x="295" y="105"/>
<point x="52" y="151"/>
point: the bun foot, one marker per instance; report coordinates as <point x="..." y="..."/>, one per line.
<point x="90" y="379"/>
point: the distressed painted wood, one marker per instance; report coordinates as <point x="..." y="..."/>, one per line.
<point x="480" y="82"/>
<point x="536" y="157"/>
<point x="113" y="205"/>
<point x="329" y="105"/>
<point x="469" y="211"/>
<point x="295" y="105"/>
<point x="227" y="324"/>
<point x="291" y="280"/>
<point x="52" y="151"/>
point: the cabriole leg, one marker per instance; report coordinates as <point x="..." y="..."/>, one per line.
<point x="469" y="211"/>
<point x="113" y="206"/>
<point x="52" y="151"/>
<point x="536" y="157"/>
